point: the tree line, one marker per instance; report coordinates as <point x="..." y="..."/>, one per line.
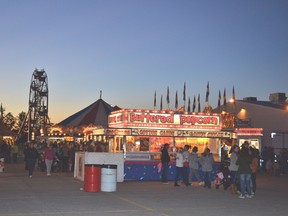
<point x="12" y="122"/>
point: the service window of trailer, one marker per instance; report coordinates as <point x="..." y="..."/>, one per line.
<point x="118" y="144"/>
<point x="157" y="143"/>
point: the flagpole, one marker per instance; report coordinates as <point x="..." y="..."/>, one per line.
<point x="161" y="102"/>
<point x="219" y="100"/>
<point x="184" y="95"/>
<point x="155" y="100"/>
<point x="199" y="107"/>
<point x="207" y="94"/>
<point x="234" y="104"/>
<point x="176" y="101"/>
<point x="167" y="97"/>
<point x="194" y="103"/>
<point x="224" y="99"/>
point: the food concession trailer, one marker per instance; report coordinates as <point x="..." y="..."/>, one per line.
<point x="139" y="136"/>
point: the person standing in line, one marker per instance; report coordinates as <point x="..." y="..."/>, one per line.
<point x="31" y="157"/>
<point x="185" y="168"/>
<point x="179" y="167"/>
<point x="244" y="170"/>
<point x="233" y="168"/>
<point x="165" y="159"/>
<point x="194" y="166"/>
<point x="207" y="162"/>
<point x="49" y="155"/>
<point x="254" y="168"/>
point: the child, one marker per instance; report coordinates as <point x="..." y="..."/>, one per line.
<point x="219" y="179"/>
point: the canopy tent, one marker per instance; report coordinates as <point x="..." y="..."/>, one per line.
<point x="95" y="114"/>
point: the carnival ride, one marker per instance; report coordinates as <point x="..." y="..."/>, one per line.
<point x="37" y="118"/>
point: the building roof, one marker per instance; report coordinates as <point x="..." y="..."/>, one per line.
<point x="263" y="114"/>
<point x="265" y="103"/>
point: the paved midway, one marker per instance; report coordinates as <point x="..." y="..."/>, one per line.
<point x="61" y="195"/>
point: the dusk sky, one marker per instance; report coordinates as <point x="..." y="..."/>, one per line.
<point x="131" y="48"/>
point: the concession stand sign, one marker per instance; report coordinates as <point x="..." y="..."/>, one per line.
<point x="164" y="120"/>
<point x="179" y="133"/>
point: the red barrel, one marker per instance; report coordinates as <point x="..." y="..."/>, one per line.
<point x="92" y="178"/>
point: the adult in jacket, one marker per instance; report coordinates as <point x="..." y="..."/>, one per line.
<point x="31" y="158"/>
<point x="165" y="159"/>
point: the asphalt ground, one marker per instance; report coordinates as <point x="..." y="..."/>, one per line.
<point x="62" y="195"/>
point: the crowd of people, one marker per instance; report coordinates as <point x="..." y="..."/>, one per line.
<point x="9" y="151"/>
<point x="60" y="156"/>
<point x="237" y="170"/>
<point x="49" y="157"/>
<point x="272" y="163"/>
<point x="64" y="151"/>
<point x="52" y="157"/>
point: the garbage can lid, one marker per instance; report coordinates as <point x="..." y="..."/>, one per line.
<point x="93" y="165"/>
<point x="109" y="166"/>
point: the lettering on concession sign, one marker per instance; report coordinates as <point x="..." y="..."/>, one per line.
<point x="154" y="119"/>
<point x="179" y="133"/>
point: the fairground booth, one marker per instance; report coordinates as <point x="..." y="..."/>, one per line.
<point x="139" y="135"/>
<point x="252" y="135"/>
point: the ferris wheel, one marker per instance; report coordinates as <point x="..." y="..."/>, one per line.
<point x="38" y="119"/>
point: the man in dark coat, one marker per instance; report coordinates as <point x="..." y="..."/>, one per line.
<point x="165" y="159"/>
<point x="31" y="158"/>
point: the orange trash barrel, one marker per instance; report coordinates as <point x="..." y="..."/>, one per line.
<point x="92" y="178"/>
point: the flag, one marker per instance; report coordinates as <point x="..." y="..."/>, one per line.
<point x="199" y="107"/>
<point x="219" y="99"/>
<point x="176" y="100"/>
<point x="154" y="99"/>
<point x="194" y="104"/>
<point x="189" y="106"/>
<point x="184" y="92"/>
<point x="224" y="97"/>
<point x="233" y="95"/>
<point x="167" y="96"/>
<point x="207" y="92"/>
<point x="161" y="105"/>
